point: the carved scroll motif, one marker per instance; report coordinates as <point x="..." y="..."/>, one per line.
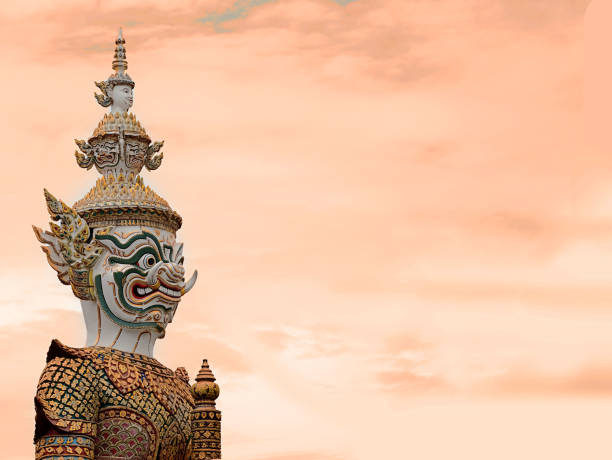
<point x="85" y="159"/>
<point x="152" y="159"/>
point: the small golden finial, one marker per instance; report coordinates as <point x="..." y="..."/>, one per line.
<point x="205" y="418"/>
<point x="205" y="388"/>
<point x="120" y="64"/>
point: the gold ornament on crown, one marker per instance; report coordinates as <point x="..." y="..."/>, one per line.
<point x="68" y="247"/>
<point x="125" y="200"/>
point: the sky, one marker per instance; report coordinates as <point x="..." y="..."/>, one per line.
<point x="400" y="211"/>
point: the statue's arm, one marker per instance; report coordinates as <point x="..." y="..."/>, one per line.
<point x="66" y="405"/>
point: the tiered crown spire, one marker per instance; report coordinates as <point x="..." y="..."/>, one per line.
<point x="120" y="62"/>
<point x="119" y="148"/>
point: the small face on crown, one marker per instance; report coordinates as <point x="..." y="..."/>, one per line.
<point x="122" y="97"/>
<point x="140" y="279"/>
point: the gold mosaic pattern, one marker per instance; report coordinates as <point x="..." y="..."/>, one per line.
<point x="65" y="447"/>
<point x="206" y="428"/>
<point x="125" y="200"/>
<point x="80" y="384"/>
<point x="205" y="418"/>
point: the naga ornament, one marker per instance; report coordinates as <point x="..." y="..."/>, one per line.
<point x="117" y="248"/>
<point x="68" y="247"/>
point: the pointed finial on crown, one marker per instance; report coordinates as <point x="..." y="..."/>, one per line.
<point x="120" y="64"/>
<point x="120" y="77"/>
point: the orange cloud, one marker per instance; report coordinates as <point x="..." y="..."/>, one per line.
<point x="198" y="343"/>
<point x="591" y="381"/>
<point x="409" y="383"/>
<point x="276" y="339"/>
<point x="407" y="362"/>
<point x="23" y="359"/>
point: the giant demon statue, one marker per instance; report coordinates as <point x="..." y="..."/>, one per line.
<point x="117" y="249"/>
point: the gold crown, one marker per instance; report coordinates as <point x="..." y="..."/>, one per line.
<point x="125" y="200"/>
<point x="114" y="123"/>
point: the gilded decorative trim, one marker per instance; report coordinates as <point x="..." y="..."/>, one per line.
<point x="64" y="447"/>
<point x="99" y="324"/>
<point x="120" y="199"/>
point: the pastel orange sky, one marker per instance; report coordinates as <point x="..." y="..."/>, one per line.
<point x="400" y="211"/>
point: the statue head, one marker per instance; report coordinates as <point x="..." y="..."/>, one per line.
<point x="132" y="274"/>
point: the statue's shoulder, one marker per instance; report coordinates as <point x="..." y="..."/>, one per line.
<point x="57" y="350"/>
<point x="67" y="399"/>
<point x="182" y="382"/>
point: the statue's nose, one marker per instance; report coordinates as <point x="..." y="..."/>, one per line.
<point x="175" y="273"/>
<point x="172" y="273"/>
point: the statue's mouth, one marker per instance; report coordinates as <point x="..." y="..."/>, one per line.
<point x="144" y="292"/>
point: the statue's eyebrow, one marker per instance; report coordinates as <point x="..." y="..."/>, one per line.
<point x="113" y="239"/>
<point x="133" y="258"/>
<point x="139" y="236"/>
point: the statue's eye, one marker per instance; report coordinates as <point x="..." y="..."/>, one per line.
<point x="147" y="261"/>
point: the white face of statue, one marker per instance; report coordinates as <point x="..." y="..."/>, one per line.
<point x="139" y="279"/>
<point x="123" y="98"/>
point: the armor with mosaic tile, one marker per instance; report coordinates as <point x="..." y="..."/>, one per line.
<point x="116" y="247"/>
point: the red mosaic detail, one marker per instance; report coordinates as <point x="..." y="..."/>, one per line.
<point x="126" y="434"/>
